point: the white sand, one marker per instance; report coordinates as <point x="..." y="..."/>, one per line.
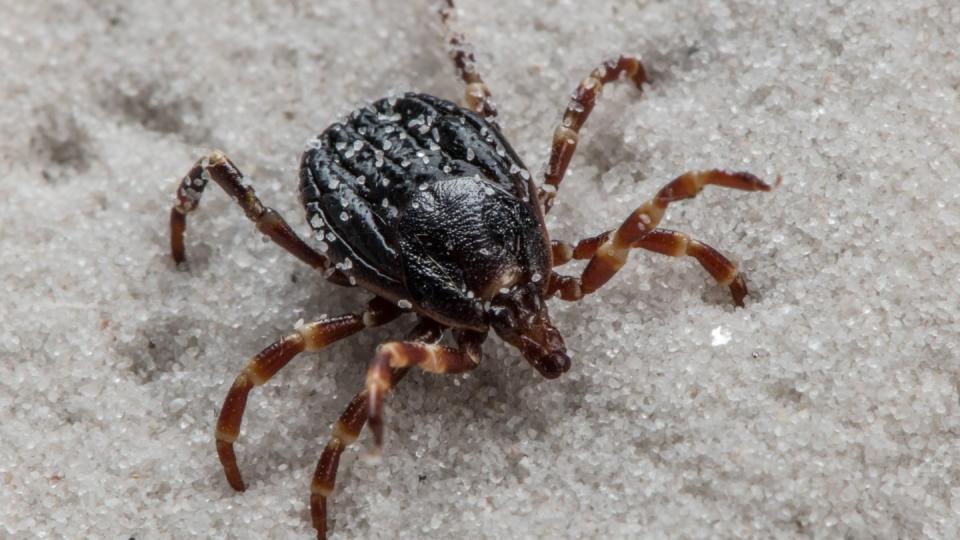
<point x="827" y="408"/>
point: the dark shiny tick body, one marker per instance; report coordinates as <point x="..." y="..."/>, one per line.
<point x="424" y="202"/>
<point x="426" y="205"/>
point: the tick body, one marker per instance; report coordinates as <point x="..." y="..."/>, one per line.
<point x="426" y="205"/>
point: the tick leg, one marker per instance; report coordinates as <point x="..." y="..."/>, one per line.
<point x="428" y="357"/>
<point x="220" y="169"/>
<point x="608" y="252"/>
<point x="567" y="134"/>
<point x="677" y="244"/>
<point x="309" y="337"/>
<point x="476" y="95"/>
<point x="347" y="429"/>
<point x="564" y="252"/>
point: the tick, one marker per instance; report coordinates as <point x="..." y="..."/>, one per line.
<point x="426" y="205"/>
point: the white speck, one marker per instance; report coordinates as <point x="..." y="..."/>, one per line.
<point x="423" y="129"/>
<point x="720" y="335"/>
<point x="405" y="163"/>
<point x="504" y="290"/>
<point x="500" y="150"/>
<point x="299" y="323"/>
<point x="488" y="190"/>
<point x="344" y="216"/>
<point x="322" y="247"/>
<point x="334" y="183"/>
<point x="316" y="222"/>
<point x="357" y="145"/>
<point x="387" y="144"/>
<point x="331" y="237"/>
<point x="447" y="169"/>
<point x="404" y="304"/>
<point x="536" y="277"/>
<point x="346" y="264"/>
<point x="386" y="182"/>
<point x="349" y="153"/>
<point x="340" y="145"/>
<point x="415" y="205"/>
<point x="470" y="154"/>
<point x="424" y="187"/>
<point x="352" y="280"/>
<point x="514" y="169"/>
<point x="525" y="174"/>
<point x="361" y="179"/>
<point x="385" y="202"/>
<point x="436" y="135"/>
<point x="470" y="294"/>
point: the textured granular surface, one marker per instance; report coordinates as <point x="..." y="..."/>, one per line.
<point x="827" y="408"/>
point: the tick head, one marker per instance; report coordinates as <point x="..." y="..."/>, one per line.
<point x="519" y="316"/>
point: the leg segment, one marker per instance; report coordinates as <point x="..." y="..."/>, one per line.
<point x="667" y="242"/>
<point x="221" y="170"/>
<point x="581" y="104"/>
<point x="564" y="252"/>
<point x="476" y="95"/>
<point x="347" y="429"/>
<point x="677" y="244"/>
<point x="309" y="337"/>
<point x="403" y="354"/>
<point x="608" y="251"/>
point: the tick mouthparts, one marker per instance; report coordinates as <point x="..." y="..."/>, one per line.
<point x="550" y="364"/>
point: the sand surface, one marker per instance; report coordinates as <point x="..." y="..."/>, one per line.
<point x="827" y="408"/>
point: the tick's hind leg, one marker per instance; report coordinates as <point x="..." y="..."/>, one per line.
<point x="221" y="170"/>
<point x="608" y="252"/>
<point x="476" y="95"/>
<point x="567" y="134"/>
<point x="309" y="337"/>
<point x="347" y="429"/>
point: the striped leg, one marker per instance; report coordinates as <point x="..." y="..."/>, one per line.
<point x="347" y="429"/>
<point x="476" y="95"/>
<point x="581" y="104"/>
<point x="309" y="337"/>
<point x="674" y="244"/>
<point x="428" y="357"/>
<point x="221" y="170"/>
<point x="608" y="251"/>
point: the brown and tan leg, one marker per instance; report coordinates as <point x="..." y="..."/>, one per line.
<point x="674" y="244"/>
<point x="309" y="337"/>
<point x="677" y="244"/>
<point x="221" y="170"/>
<point x="608" y="252"/>
<point x="431" y="358"/>
<point x="347" y="429"/>
<point x="582" y="101"/>
<point x="476" y="95"/>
